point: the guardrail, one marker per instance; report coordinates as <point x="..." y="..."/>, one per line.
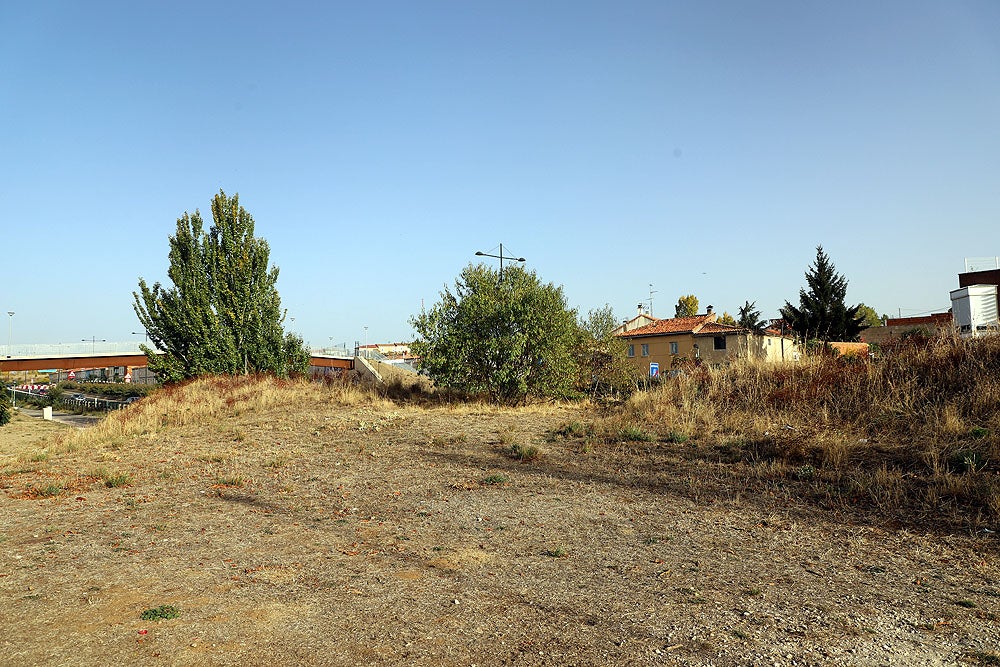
<point x="78" y="403"/>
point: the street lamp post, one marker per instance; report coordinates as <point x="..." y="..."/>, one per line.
<point x="501" y="257"/>
<point x="366" y="344"/>
<point x="10" y="337"/>
<point x="93" y="343"/>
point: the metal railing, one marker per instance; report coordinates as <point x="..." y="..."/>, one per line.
<point x="981" y="263"/>
<point x="71" y="349"/>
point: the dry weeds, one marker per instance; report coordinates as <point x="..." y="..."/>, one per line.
<point x="292" y="523"/>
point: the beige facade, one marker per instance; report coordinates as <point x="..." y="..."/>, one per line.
<point x="670" y="350"/>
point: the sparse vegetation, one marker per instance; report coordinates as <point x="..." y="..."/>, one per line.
<point x="745" y="463"/>
<point x="524" y="453"/>
<point x="493" y="480"/>
<point x="161" y="613"/>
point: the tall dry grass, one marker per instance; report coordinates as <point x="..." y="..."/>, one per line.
<point x="206" y="400"/>
<point x="916" y="428"/>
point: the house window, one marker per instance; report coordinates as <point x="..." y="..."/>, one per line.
<point x="720" y="342"/>
<point x="673" y="348"/>
<point x="631" y="350"/>
<point x="645" y="350"/>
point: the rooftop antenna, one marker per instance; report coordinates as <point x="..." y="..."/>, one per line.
<point x="650" y="299"/>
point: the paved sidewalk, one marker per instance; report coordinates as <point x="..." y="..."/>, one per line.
<point x="79" y="421"/>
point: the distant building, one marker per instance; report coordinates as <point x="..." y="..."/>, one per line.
<point x="663" y="344"/>
<point x="936" y="324"/>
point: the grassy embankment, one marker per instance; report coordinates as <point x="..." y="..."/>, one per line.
<point x="912" y="437"/>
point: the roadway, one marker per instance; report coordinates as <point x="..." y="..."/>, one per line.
<point x="77" y="421"/>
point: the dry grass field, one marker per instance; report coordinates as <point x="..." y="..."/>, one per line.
<point x="253" y="521"/>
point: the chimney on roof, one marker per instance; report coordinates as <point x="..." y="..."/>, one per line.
<point x="709" y="310"/>
<point x="640" y="308"/>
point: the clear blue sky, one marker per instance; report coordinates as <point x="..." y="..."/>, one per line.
<point x="703" y="147"/>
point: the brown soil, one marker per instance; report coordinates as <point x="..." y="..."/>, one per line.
<point x="403" y="535"/>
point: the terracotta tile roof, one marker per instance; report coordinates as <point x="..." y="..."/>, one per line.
<point x="673" y="325"/>
<point x="713" y="328"/>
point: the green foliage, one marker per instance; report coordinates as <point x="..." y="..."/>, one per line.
<point x="749" y="317"/>
<point x="111" y="390"/>
<point x="687" y="306"/>
<point x="164" y="611"/>
<point x="822" y="313"/>
<point x="5" y="411"/>
<point x="603" y="362"/>
<point x="223" y="313"/>
<point x="869" y="317"/>
<point x="510" y="340"/>
<point x="727" y="319"/>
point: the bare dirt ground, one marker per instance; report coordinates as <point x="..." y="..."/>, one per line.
<point x="401" y="535"/>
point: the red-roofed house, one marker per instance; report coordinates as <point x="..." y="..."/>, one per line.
<point x="668" y="342"/>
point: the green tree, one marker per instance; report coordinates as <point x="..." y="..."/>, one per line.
<point x="5" y="412"/>
<point x="727" y="319"/>
<point x="510" y="340"/>
<point x="604" y="365"/>
<point x="749" y="317"/>
<point x="223" y="313"/>
<point x="822" y="314"/>
<point x="869" y="316"/>
<point x="687" y="306"/>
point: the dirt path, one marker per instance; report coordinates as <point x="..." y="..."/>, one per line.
<point x="357" y="536"/>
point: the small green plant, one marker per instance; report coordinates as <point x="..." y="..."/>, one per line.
<point x="635" y="434"/>
<point x="164" y="611"/>
<point x="805" y="473"/>
<point x="48" y="491"/>
<point x="968" y="604"/>
<point x="969" y="461"/>
<point x="676" y="436"/>
<point x="978" y="432"/>
<point x="117" y="480"/>
<point x="230" y="480"/>
<point x="558" y="552"/>
<point x="40" y="457"/>
<point x="495" y="479"/>
<point x="573" y="429"/>
<point x="524" y="453"/>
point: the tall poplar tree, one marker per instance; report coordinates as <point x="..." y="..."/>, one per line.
<point x="822" y="313"/>
<point x="223" y="313"/>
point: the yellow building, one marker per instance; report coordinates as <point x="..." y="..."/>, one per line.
<point x="664" y="344"/>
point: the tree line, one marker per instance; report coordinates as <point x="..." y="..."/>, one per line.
<point x="510" y="337"/>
